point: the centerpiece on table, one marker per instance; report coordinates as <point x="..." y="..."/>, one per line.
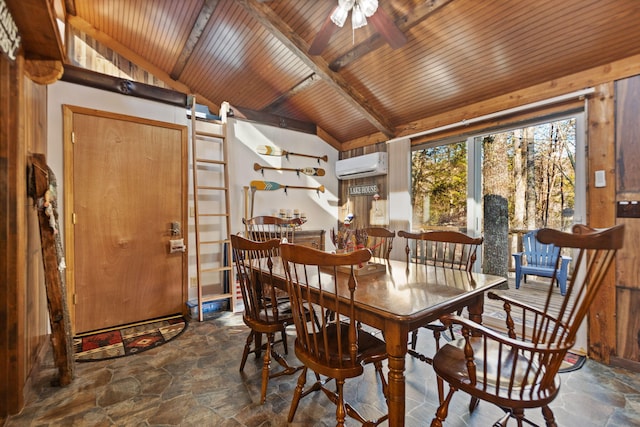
<point x="348" y="238"/>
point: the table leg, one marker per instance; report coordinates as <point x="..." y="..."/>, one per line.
<point x="476" y="308"/>
<point x="396" y="338"/>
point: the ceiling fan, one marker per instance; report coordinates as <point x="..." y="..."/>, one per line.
<point x="361" y="10"/>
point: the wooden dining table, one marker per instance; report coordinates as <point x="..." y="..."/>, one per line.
<point x="402" y="298"/>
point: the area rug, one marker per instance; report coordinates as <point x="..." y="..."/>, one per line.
<point x="572" y="362"/>
<point x="127" y="340"/>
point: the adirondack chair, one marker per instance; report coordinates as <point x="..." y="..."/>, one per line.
<point x="539" y="259"/>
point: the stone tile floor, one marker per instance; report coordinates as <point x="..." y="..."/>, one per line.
<point x="194" y="381"/>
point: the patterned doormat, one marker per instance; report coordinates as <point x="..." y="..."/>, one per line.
<point x="572" y="362"/>
<point x="127" y="340"/>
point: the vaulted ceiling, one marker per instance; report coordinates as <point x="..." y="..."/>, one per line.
<point x="254" y="54"/>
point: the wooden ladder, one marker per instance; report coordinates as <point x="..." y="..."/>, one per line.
<point x="211" y="209"/>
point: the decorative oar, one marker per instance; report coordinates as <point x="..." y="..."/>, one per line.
<point x="306" y="171"/>
<point x="270" y="186"/>
<point x="275" y="151"/>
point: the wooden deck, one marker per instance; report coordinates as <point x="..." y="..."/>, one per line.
<point x="533" y="292"/>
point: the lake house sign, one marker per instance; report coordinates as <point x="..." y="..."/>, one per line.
<point x="363" y="190"/>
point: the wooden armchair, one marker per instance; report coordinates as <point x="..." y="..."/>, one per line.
<point x="333" y="347"/>
<point x="540" y="259"/>
<point x="380" y="241"/>
<point x="266" y="227"/>
<point x="264" y="313"/>
<point x="519" y="371"/>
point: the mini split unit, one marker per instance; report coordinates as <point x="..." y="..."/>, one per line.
<point x="362" y="166"/>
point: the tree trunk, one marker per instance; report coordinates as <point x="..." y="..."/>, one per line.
<point x="497" y="185"/>
<point x="496" y="236"/>
<point x="520" y="179"/>
<point x="531" y="179"/>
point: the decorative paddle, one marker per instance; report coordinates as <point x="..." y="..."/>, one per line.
<point x="275" y="151"/>
<point x="270" y="186"/>
<point x="306" y="171"/>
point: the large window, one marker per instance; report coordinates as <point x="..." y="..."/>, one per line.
<point x="439" y="186"/>
<point x="533" y="167"/>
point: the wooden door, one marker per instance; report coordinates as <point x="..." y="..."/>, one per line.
<point x="125" y="186"/>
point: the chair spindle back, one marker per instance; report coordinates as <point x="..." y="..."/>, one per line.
<point x="334" y="342"/>
<point x="380" y="241"/>
<point x="258" y="292"/>
<point x="447" y="248"/>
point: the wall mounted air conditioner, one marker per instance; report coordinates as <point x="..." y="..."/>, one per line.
<point x="362" y="166"/>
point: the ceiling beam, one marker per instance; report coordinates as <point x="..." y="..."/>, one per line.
<point x="84" y="26"/>
<point x="300" y="87"/>
<point x="274" y="120"/>
<point x="404" y="23"/>
<point x="196" y="32"/>
<point x="279" y="29"/>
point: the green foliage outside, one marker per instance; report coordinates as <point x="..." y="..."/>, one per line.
<point x="541" y="166"/>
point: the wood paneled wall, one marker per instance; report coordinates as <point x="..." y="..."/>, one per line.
<point x="23" y="304"/>
<point x="601" y="213"/>
<point x="12" y="235"/>
<point x="361" y="206"/>
<point x="627" y="135"/>
<point x="86" y="52"/>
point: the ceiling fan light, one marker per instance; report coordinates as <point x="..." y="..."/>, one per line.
<point x="339" y="16"/>
<point x="347" y="4"/>
<point x="368" y="7"/>
<point x="357" y="17"/>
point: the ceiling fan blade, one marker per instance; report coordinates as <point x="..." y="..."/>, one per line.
<point x="387" y="28"/>
<point x="321" y="40"/>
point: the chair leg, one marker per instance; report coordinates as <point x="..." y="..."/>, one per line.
<point x="266" y="365"/>
<point x="341" y="412"/>
<point x="258" y="344"/>
<point x="518" y="414"/>
<point x="549" y="417"/>
<point x="247" y="350"/>
<point x="443" y="409"/>
<point x="297" y="394"/>
<point x="518" y="278"/>
<point x="288" y="369"/>
<point x="414" y="339"/>
<point x="383" y="381"/>
<point x="473" y="404"/>
<point x="283" y="337"/>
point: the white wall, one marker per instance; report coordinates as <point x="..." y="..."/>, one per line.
<point x="321" y="208"/>
<point x="243" y="137"/>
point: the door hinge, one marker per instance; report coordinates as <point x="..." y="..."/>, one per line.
<point x="75" y="299"/>
<point x="73" y="218"/>
<point x="73" y="137"/>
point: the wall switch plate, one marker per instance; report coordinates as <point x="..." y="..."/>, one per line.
<point x="600" y="179"/>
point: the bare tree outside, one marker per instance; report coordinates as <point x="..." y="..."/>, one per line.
<point x="534" y="172"/>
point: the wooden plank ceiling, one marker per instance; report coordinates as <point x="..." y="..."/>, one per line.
<point x="253" y="53"/>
